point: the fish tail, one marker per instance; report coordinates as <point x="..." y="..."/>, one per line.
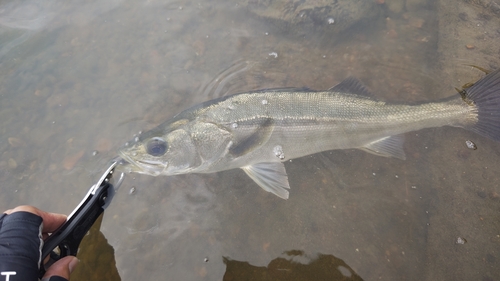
<point x="484" y="96"/>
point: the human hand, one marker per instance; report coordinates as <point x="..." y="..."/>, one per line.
<point x="20" y="231"/>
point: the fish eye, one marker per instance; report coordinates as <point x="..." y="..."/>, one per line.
<point x="156" y="147"/>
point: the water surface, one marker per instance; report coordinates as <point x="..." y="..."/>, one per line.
<point x="79" y="79"/>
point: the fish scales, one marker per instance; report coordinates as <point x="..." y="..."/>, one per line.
<point x="330" y="120"/>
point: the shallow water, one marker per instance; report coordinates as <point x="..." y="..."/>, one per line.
<point x="79" y="79"/>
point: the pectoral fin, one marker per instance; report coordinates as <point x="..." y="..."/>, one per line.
<point x="259" y="136"/>
<point x="270" y="176"/>
<point x="391" y="146"/>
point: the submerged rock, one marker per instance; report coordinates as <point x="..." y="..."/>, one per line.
<point x="302" y="17"/>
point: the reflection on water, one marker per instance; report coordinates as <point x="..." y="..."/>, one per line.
<point x="293" y="266"/>
<point x="97" y="257"/>
<point x="79" y="79"/>
<point x="19" y="20"/>
<point x="30" y="15"/>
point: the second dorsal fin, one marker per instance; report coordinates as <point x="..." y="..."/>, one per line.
<point x="351" y="85"/>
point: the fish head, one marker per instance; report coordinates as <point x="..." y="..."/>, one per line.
<point x="180" y="147"/>
<point x="165" y="150"/>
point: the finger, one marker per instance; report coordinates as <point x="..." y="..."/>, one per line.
<point x="25" y="208"/>
<point x="51" y="221"/>
<point x="62" y="267"/>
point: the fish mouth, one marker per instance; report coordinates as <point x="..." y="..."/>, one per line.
<point x="153" y="168"/>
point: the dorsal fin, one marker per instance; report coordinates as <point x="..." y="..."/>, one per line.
<point x="351" y="85"/>
<point x="284" y="89"/>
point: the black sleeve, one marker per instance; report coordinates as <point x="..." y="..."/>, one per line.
<point x="56" y="278"/>
<point x="20" y="246"/>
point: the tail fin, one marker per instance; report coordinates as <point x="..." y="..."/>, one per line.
<point x="485" y="95"/>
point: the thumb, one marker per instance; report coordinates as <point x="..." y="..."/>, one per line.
<point x="62" y="268"/>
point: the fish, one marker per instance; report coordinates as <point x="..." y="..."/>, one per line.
<point x="257" y="131"/>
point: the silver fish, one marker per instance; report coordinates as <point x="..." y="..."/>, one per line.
<point x="258" y="131"/>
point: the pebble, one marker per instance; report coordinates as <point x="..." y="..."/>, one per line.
<point x="395" y="6"/>
<point x="70" y="161"/>
<point x="470" y="145"/>
<point x="132" y="190"/>
<point x="15" y="142"/>
<point x="416" y="22"/>
<point x="12" y="163"/>
<point x="104" y="144"/>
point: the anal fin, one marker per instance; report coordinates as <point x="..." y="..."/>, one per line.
<point x="391" y="146"/>
<point x="271" y="177"/>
